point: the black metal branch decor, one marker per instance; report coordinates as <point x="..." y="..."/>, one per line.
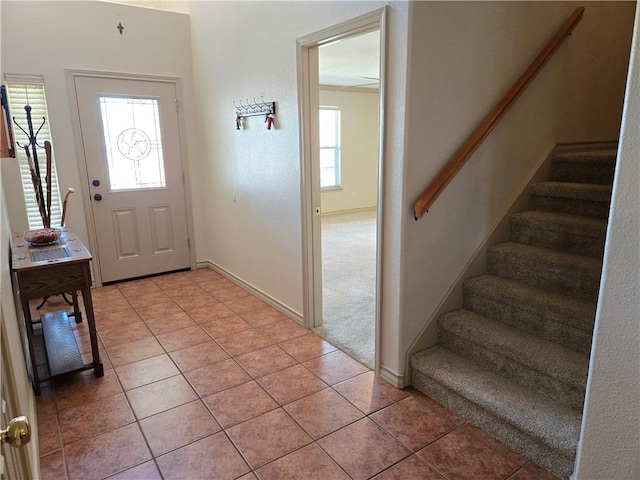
<point x="34" y="166"/>
<point x="43" y="195"/>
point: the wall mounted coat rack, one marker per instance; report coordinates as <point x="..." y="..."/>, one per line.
<point x="255" y="109"/>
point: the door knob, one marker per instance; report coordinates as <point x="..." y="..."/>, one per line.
<point x="96" y="183"/>
<point x="97" y="197"/>
<point x="17" y="433"/>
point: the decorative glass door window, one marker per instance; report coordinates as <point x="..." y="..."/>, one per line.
<point x="131" y="128"/>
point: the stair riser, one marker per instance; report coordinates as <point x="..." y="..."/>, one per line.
<point x="546" y="324"/>
<point x="592" y="172"/>
<point x="560" y="462"/>
<point x="558" y="240"/>
<point x="539" y="381"/>
<point x="582" y="284"/>
<point x="572" y="206"/>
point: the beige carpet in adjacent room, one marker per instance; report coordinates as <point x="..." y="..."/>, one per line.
<point x="349" y="283"/>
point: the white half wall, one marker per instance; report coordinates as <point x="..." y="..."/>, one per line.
<point x="359" y="142"/>
<point x="610" y="440"/>
<point x="464" y="57"/>
<point x="44" y="38"/>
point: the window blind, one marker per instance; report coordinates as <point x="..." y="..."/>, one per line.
<point x="22" y="91"/>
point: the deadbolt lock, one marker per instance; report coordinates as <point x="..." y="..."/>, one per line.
<point x="17" y="433"/>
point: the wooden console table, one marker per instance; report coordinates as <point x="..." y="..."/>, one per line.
<point x="42" y="271"/>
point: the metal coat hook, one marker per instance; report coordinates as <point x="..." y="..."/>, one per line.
<point x="255" y="108"/>
<point x="32" y="137"/>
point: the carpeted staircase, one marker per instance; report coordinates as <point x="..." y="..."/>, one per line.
<point x="515" y="359"/>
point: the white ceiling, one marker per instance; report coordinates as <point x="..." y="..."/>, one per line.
<point x="352" y="62"/>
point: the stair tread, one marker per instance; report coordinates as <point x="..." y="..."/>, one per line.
<point x="579" y="191"/>
<point x="561" y="259"/>
<point x="571" y="311"/>
<point x="586" y="226"/>
<point x="556" y="361"/>
<point x="532" y="413"/>
<point x="553" y="270"/>
<point x="601" y="155"/>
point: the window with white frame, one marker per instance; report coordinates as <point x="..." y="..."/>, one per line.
<point x="330" y="162"/>
<point x="22" y="91"/>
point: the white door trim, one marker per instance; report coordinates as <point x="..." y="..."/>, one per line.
<point x="71" y="75"/>
<point x="306" y="48"/>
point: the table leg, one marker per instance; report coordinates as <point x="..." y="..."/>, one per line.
<point x="77" y="314"/>
<point x="32" y="350"/>
<point x="98" y="368"/>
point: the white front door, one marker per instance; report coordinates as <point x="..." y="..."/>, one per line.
<point x="131" y="141"/>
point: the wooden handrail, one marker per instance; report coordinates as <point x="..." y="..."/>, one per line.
<point x="491" y="120"/>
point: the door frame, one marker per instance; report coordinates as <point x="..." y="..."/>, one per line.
<point x="71" y="75"/>
<point x="308" y="99"/>
<point x="17" y="399"/>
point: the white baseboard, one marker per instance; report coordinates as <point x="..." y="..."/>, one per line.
<point x="292" y="314"/>
<point x="396" y="379"/>
<point x="350" y="210"/>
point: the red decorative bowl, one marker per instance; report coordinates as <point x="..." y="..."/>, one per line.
<point x="42" y="236"/>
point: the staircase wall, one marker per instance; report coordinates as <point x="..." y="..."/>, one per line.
<point x="610" y="438"/>
<point x="477" y="263"/>
<point x="465" y="55"/>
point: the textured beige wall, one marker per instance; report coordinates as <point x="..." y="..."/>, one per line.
<point x="253" y="176"/>
<point x="610" y="439"/>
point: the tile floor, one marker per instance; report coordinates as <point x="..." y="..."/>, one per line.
<point x="205" y="381"/>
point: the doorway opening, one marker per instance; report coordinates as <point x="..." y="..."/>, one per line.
<point x="342" y="100"/>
